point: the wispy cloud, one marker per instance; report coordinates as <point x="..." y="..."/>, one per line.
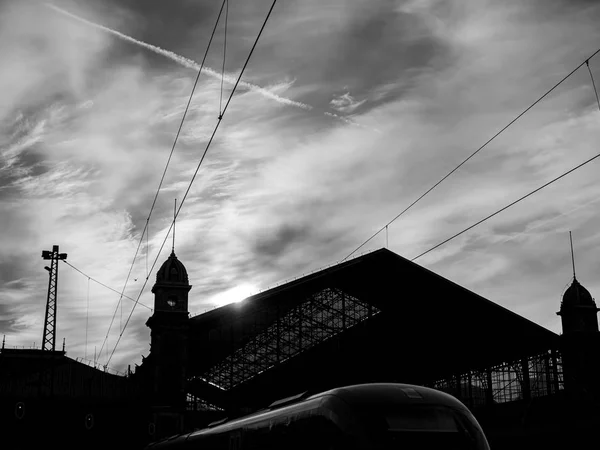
<point x="350" y="121"/>
<point x="86" y="126"/>
<point x="185" y="62"/>
<point x="23" y="139"/>
<point x="346" y="103"/>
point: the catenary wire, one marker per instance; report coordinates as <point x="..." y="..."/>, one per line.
<point x="195" y="173"/>
<point x="147" y="247"/>
<point x="508" y="206"/>
<point x="87" y="316"/>
<point x="528" y="230"/>
<point x="224" y="54"/>
<point x="102" y="284"/>
<point x="593" y="82"/>
<point x="165" y="170"/>
<point x="473" y="154"/>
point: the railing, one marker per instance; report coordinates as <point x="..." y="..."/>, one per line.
<point x="22" y="347"/>
<point x="535" y="376"/>
<point x="96" y="365"/>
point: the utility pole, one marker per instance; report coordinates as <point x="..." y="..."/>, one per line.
<point x="49" y="337"/>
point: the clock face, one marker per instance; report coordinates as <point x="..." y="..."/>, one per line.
<point x="172" y="302"/>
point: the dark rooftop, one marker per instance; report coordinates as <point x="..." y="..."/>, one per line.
<point x="427" y="326"/>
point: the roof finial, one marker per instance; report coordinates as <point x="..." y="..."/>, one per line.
<point x="572" y="255"/>
<point x="174" y="217"/>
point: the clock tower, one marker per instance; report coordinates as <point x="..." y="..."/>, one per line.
<point x="169" y="345"/>
<point x="580" y="341"/>
<point x="171" y="288"/>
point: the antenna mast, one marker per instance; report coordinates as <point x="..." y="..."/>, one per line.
<point x="174" y="218"/>
<point x="572" y="255"/>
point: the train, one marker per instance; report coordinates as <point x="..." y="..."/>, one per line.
<point x="375" y="416"/>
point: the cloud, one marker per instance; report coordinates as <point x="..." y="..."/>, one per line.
<point x="87" y="126"/>
<point x="26" y="135"/>
<point x="186" y="62"/>
<point x="345" y="103"/>
<point x="70" y="168"/>
<point x="232" y="80"/>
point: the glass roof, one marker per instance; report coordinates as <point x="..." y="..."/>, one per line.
<point x="320" y="317"/>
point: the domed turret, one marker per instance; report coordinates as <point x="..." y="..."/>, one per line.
<point x="577" y="295"/>
<point x="171" y="287"/>
<point x="578" y="310"/>
<point x="580" y="340"/>
<point x="172" y="271"/>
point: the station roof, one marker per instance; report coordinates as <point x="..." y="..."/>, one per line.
<point x="427" y="324"/>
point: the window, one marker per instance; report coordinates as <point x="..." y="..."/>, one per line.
<point x="172" y="301"/>
<point x="420" y="427"/>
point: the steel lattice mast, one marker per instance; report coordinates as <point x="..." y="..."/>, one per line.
<point x="49" y="337"/>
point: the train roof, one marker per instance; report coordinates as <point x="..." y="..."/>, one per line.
<point x="360" y="395"/>
<point x="381" y="393"/>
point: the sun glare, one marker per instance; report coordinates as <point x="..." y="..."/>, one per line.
<point x="234" y="295"/>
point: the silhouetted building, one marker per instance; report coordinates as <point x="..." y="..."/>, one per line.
<point x="168" y="359"/>
<point x="376" y="318"/>
<point x="49" y="399"/>
<point x="580" y="342"/>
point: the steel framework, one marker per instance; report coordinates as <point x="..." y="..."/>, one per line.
<point x="534" y="376"/>
<point x="320" y="317"/>
<point x="195" y="403"/>
<point x="49" y="337"/>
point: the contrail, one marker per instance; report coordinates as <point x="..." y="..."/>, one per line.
<point x="186" y="62"/>
<point x="191" y="64"/>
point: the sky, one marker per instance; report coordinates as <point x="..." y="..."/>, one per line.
<point x="348" y="111"/>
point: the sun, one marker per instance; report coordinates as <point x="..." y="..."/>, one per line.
<point x="234" y="295"/>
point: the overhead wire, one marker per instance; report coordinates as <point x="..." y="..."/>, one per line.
<point x="507" y="206"/>
<point x="586" y="61"/>
<point x="146" y="226"/>
<point x="87" y="316"/>
<point x="528" y="230"/>
<point x="196" y="172"/>
<point x="224" y="55"/>
<point x="101" y="284"/>
<point x="533" y="192"/>
<point x="147" y="247"/>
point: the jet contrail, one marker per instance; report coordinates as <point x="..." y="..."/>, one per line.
<point x="186" y="62"/>
<point x="191" y="64"/>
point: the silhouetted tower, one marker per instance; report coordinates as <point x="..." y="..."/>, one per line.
<point x="170" y="317"/>
<point x="168" y="344"/>
<point x="580" y="338"/>
<point x="49" y="337"/>
<point x="578" y="310"/>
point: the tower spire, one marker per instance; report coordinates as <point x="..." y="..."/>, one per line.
<point x="174" y="218"/>
<point x="572" y="255"/>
